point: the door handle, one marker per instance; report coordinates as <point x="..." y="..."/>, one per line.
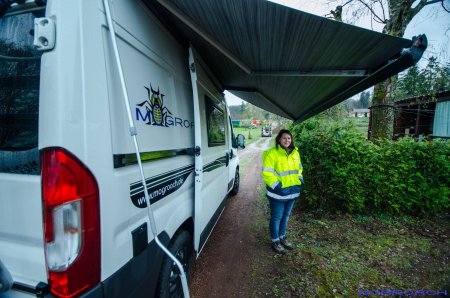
<point x="227" y="159"/>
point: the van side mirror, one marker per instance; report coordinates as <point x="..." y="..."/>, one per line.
<point x="240" y="141"/>
<point x="233" y="141"/>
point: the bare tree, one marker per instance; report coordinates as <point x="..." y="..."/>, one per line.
<point x="394" y="16"/>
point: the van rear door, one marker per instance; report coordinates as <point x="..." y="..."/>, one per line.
<point x="21" y="225"/>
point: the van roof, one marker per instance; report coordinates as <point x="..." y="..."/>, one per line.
<point x="284" y="60"/>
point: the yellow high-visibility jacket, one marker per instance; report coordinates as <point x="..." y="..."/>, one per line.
<point x="282" y="173"/>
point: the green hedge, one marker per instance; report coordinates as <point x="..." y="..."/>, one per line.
<point x="343" y="171"/>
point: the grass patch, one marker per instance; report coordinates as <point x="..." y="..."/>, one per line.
<point x="337" y="255"/>
<point x="362" y="124"/>
<point x="251" y="135"/>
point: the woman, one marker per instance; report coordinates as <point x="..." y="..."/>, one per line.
<point x="282" y="172"/>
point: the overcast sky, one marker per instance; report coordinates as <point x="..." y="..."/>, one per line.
<point x="431" y="20"/>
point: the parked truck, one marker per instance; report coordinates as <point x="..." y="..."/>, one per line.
<point x="266" y="130"/>
<point x="74" y="217"/>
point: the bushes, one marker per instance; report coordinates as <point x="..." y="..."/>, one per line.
<point x="344" y="171"/>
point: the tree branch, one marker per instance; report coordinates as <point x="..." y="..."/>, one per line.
<point x="422" y="4"/>
<point x="443" y="6"/>
<point x="382" y="20"/>
<point x="376" y="17"/>
<point x="349" y="1"/>
<point x="434" y="1"/>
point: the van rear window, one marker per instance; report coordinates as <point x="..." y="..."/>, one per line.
<point x="19" y="94"/>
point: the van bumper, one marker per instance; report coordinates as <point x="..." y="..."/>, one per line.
<point x="137" y="278"/>
<point x="96" y="292"/>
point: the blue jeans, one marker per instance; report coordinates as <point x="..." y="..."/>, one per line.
<point x="279" y="215"/>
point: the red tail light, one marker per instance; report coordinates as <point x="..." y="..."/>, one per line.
<point x="71" y="223"/>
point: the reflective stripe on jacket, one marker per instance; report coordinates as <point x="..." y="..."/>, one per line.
<point x="282" y="173"/>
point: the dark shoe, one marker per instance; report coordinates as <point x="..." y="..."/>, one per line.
<point x="286" y="244"/>
<point x="277" y="247"/>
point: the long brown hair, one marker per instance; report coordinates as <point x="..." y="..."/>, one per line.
<point x="277" y="139"/>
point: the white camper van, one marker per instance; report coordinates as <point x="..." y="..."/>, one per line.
<point x="73" y="213"/>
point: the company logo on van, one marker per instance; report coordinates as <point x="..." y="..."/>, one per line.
<point x="153" y="112"/>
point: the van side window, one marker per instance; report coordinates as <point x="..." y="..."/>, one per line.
<point x="215" y="122"/>
<point x="19" y="95"/>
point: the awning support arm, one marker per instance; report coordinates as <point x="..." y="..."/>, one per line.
<point x="317" y="73"/>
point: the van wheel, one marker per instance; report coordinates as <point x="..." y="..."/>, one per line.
<point x="235" y="188"/>
<point x="169" y="284"/>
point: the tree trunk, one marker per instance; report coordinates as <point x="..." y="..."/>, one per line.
<point x="382" y="118"/>
<point x="396" y="15"/>
<point x="382" y="121"/>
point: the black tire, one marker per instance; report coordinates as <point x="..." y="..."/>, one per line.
<point x="235" y="188"/>
<point x="169" y="284"/>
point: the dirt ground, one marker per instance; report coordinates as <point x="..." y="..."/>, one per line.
<point x="223" y="268"/>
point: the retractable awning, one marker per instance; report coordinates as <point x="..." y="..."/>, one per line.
<point x="283" y="60"/>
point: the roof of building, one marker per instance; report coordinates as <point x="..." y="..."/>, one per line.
<point x="438" y="97"/>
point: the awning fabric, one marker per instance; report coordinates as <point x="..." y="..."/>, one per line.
<point x="283" y="60"/>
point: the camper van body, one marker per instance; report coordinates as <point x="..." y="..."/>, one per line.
<point x="73" y="216"/>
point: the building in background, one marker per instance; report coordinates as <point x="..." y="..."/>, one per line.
<point x="423" y="116"/>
